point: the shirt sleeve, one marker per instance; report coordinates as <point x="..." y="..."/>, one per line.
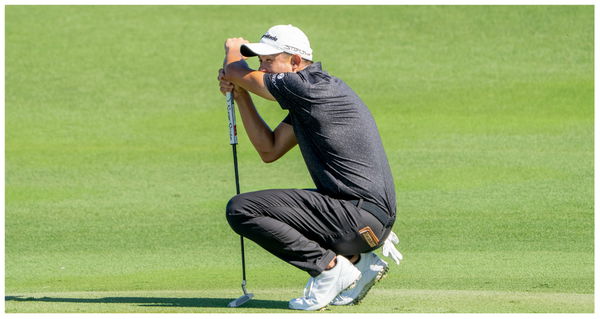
<point x="289" y="89"/>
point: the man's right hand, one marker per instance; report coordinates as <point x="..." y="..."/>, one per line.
<point x="226" y="86"/>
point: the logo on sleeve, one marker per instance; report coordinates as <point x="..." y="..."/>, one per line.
<point x="280" y="76"/>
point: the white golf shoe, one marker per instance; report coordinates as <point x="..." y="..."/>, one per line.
<point x="372" y="269"/>
<point x="321" y="290"/>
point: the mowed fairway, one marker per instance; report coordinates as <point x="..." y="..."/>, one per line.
<point x="118" y="163"/>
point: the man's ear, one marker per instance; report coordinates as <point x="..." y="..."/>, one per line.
<point x="296" y="61"/>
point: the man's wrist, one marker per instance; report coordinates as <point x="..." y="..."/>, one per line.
<point x="240" y="93"/>
<point x="233" y="55"/>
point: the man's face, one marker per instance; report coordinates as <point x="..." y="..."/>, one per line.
<point x="276" y="63"/>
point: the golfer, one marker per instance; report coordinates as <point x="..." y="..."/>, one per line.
<point x="331" y="231"/>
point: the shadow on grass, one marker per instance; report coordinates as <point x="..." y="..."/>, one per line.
<point x="160" y="302"/>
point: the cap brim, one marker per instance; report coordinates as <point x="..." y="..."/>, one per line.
<point x="254" y="49"/>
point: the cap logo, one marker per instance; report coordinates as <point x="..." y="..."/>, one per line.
<point x="294" y="49"/>
<point x="270" y="37"/>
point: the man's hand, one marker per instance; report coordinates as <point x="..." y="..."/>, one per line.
<point x="232" y="49"/>
<point x="226" y="86"/>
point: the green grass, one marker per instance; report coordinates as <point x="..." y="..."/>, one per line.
<point x="118" y="165"/>
<point x="273" y="300"/>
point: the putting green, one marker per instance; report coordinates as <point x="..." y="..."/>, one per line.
<point x="379" y="300"/>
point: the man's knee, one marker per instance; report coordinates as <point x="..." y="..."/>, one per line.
<point x="238" y="211"/>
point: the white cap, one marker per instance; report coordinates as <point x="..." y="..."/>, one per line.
<point x="280" y="38"/>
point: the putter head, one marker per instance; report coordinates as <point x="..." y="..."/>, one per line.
<point x="241" y="300"/>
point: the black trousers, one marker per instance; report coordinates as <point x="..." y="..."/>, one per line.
<point x="303" y="227"/>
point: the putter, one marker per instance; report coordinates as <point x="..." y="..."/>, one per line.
<point x="233" y="141"/>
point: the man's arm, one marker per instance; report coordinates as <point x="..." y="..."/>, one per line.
<point x="239" y="73"/>
<point x="270" y="145"/>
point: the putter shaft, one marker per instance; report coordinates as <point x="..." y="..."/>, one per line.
<point x="233" y="141"/>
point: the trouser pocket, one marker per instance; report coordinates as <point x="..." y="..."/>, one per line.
<point x="368" y="235"/>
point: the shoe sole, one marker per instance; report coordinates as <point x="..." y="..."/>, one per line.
<point x="382" y="274"/>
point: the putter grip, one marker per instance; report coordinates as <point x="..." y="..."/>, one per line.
<point x="231" y="115"/>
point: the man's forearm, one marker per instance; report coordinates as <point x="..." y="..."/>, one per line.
<point x="258" y="131"/>
<point x="240" y="74"/>
<point x="230" y="58"/>
<point x="232" y="54"/>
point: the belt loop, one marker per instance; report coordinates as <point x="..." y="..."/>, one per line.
<point x="360" y="201"/>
